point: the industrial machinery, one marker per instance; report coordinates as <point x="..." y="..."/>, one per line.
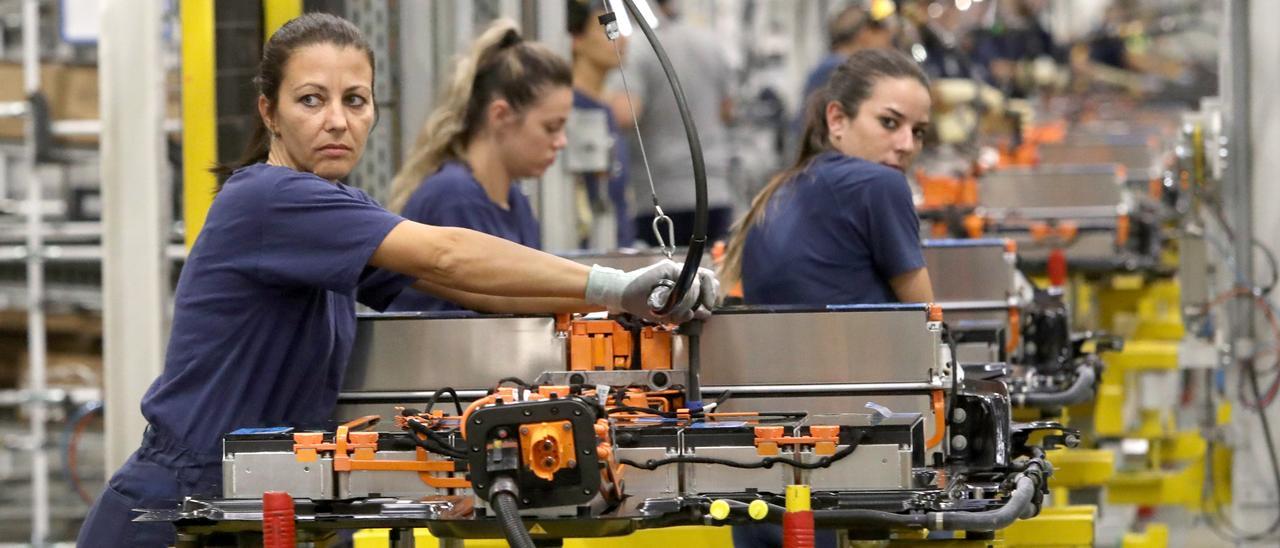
<point x="890" y="436"/>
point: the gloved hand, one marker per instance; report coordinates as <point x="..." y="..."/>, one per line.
<point x="629" y="291"/>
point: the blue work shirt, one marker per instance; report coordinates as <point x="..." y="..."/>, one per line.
<point x="835" y="234"/>
<point x="620" y="158"/>
<point x="453" y="197"/>
<point x="264" y="313"/>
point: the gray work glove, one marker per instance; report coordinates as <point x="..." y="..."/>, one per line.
<point x="630" y="291"/>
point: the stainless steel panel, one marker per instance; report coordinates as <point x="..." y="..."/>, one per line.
<point x="881" y="346"/>
<point x="1090" y="246"/>
<point x="406" y="352"/>
<point x="248" y="475"/>
<point x="868" y="467"/>
<point x="1058" y="187"/>
<point x="840" y="404"/>
<point x="1140" y="161"/>
<point x="969" y="273"/>
<point x="387" y="483"/>
<point x="713" y="478"/>
<point x="641" y="484"/>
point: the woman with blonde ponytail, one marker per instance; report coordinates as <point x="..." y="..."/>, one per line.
<point x="501" y="119"/>
<point x="839" y="226"/>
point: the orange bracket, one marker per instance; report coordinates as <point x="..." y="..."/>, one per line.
<point x="940" y="420"/>
<point x="824" y="438"/>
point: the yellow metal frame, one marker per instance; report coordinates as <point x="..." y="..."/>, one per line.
<point x="1156" y="536"/>
<point x="1056" y="527"/>
<point x="199" y="114"/>
<point x="276" y="13"/>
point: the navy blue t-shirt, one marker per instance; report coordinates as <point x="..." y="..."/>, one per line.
<point x="264" y="312"/>
<point x="453" y="197"/>
<point x="835" y="234"/>
<point x="617" y="181"/>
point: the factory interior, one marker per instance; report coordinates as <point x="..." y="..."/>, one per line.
<point x="639" y="273"/>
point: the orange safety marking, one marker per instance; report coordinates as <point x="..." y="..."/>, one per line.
<point x="1015" y="330"/>
<point x="1039" y="231"/>
<point x="1067" y="230"/>
<point x="940" y="420"/>
<point x="934" y="313"/>
<point x="974" y="225"/>
<point x="1122" y="230"/>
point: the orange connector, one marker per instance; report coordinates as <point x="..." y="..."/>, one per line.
<point x="604" y="345"/>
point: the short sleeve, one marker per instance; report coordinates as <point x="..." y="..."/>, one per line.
<point x="379" y="286"/>
<point x="319" y="234"/>
<point x="893" y="227"/>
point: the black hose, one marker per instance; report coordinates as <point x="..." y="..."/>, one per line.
<point x="991" y="520"/>
<point x="504" y="503"/>
<point x="1080" y="390"/>
<point x="699" y="240"/>
<point x="457" y="403"/>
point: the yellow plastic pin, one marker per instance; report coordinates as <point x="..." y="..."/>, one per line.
<point x="758" y="510"/>
<point x="798" y="498"/>
<point x="720" y="509"/>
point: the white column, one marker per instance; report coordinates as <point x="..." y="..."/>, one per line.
<point x="136" y="215"/>
<point x="36" y="341"/>
<point x="555" y="189"/>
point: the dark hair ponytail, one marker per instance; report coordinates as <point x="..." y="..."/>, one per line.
<point x="305" y="30"/>
<point x="850" y="85"/>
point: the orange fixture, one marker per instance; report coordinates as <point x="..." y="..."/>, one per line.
<point x="547" y="447"/>
<point x="604" y="345"/>
<point x="974" y="226"/>
<point x="935" y="312"/>
<point x="823" y="438"/>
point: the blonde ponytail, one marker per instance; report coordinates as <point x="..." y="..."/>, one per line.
<point x="500" y="65"/>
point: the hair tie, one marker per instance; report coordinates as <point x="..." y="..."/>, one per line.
<point x="511" y="38"/>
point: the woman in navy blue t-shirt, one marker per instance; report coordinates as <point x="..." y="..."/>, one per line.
<point x="839" y="226"/>
<point x="502" y="119"/>
<point x="264" y="312"/>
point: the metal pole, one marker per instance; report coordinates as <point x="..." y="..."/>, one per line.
<point x="35" y="282"/>
<point x="1239" y="167"/>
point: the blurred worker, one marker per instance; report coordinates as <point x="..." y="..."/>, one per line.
<point x="501" y="119"/>
<point x="264" y="313"/>
<point x="705" y="76"/>
<point x="852" y="29"/>
<point x="839" y="226"/>
<point x="601" y="166"/>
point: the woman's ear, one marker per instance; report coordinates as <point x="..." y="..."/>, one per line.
<point x="499" y="113"/>
<point x="264" y="110"/>
<point x="837" y="120"/>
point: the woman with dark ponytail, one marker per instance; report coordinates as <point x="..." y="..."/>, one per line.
<point x="839" y="226"/>
<point x="264" y="311"/>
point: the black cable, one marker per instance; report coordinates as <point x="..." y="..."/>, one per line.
<point x="767" y="462"/>
<point x="457" y="404"/>
<point x="515" y="380"/>
<point x="504" y="503"/>
<point x="434" y="442"/>
<point x="699" y="239"/>
<point x="1271" y="260"/>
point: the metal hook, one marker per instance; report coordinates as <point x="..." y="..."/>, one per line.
<point x="668" y="244"/>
